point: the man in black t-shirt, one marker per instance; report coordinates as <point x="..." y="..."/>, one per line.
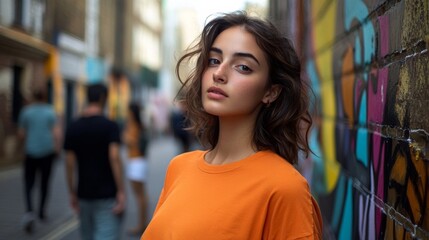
<point x="92" y="147"/>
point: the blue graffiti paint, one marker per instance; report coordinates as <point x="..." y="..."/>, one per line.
<point x="354" y="10"/>
<point x="314" y="80"/>
<point x="357" y="52"/>
<point x="339" y="197"/>
<point x="317" y="157"/>
<point x="346" y="223"/>
<point x="357" y="11"/>
<point x="369" y="43"/>
<point x="317" y="185"/>
<point x="362" y="133"/>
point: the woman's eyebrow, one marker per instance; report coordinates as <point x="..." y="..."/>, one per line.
<point x="237" y="54"/>
<point x="248" y="55"/>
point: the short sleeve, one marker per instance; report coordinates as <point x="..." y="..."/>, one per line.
<point x="290" y="213"/>
<point x="170" y="176"/>
<point x="114" y="136"/>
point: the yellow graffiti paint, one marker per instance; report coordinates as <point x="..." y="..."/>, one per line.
<point x="324" y="17"/>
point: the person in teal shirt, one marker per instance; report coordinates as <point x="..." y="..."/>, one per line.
<point x="39" y="132"/>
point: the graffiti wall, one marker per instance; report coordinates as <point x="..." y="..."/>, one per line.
<point x="368" y="63"/>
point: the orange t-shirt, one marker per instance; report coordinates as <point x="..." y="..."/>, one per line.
<point x="259" y="197"/>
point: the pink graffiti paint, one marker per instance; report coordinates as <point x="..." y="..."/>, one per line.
<point x="376" y="105"/>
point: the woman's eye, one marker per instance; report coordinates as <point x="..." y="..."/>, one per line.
<point x="213" y="61"/>
<point x="244" y="68"/>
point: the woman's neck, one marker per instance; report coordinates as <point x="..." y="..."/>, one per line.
<point x="235" y="142"/>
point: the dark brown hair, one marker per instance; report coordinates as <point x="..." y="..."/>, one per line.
<point x="39" y="95"/>
<point x="281" y="127"/>
<point x="135" y="110"/>
<point x="96" y="93"/>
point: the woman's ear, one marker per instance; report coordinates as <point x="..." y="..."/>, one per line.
<point x="271" y="94"/>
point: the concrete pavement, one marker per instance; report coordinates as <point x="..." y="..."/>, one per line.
<point x="61" y="222"/>
<point x="12" y="205"/>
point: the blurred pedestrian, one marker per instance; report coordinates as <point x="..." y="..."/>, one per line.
<point x="179" y="125"/>
<point x="92" y="148"/>
<point x="248" y="105"/>
<point x="136" y="141"/>
<point x="39" y="129"/>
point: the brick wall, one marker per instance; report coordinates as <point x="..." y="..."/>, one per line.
<point x="368" y="63"/>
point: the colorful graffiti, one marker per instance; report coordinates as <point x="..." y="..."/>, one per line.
<point x="373" y="170"/>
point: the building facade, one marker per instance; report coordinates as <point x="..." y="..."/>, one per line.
<point x="23" y="57"/>
<point x="138" y="55"/>
<point x="63" y="46"/>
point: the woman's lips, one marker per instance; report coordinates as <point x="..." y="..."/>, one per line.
<point x="216" y="93"/>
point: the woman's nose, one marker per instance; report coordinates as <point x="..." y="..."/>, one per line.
<point x="219" y="75"/>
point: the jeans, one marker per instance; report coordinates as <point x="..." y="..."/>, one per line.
<point x="97" y="221"/>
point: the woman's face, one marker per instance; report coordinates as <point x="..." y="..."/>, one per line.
<point x="234" y="84"/>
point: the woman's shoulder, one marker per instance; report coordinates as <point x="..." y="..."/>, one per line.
<point x="183" y="162"/>
<point x="274" y="161"/>
<point x="187" y="157"/>
<point x="280" y="171"/>
<point x="191" y="154"/>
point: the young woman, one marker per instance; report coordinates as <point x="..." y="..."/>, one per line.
<point x="247" y="103"/>
<point x="136" y="164"/>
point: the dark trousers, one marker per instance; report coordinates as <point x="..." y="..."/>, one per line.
<point x="31" y="166"/>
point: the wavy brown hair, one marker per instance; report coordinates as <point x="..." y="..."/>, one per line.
<point x="283" y="125"/>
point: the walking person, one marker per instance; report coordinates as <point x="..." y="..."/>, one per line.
<point x="248" y="105"/>
<point x="92" y="149"/>
<point x="136" y="141"/>
<point x="38" y="128"/>
<point x="179" y="125"/>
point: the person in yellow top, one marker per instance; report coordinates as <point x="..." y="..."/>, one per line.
<point x="248" y="105"/>
<point x="136" y="167"/>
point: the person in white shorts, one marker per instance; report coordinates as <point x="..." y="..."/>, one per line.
<point x="135" y="140"/>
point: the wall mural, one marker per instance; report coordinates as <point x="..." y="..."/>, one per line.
<point x="370" y="171"/>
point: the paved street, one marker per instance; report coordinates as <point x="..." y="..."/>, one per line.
<point x="61" y="222"/>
